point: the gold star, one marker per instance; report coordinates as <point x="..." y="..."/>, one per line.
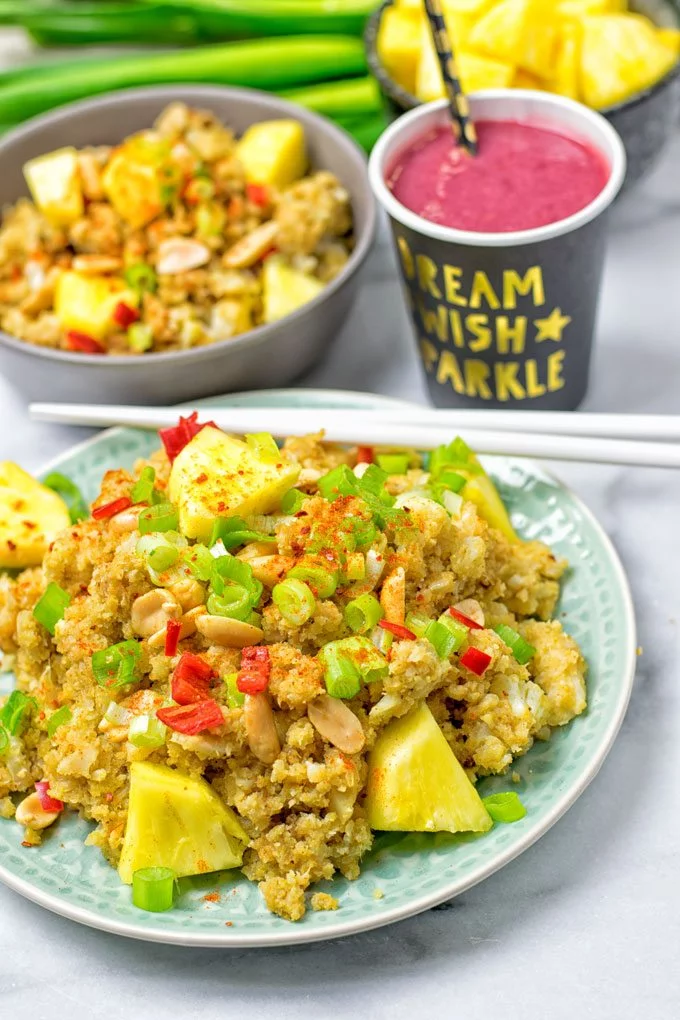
<point x="552" y="327"/>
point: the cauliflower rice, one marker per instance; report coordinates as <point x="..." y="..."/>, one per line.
<point x="303" y="811"/>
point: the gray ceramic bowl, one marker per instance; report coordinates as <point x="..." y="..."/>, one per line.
<point x="645" y="122"/>
<point x="268" y="356"/>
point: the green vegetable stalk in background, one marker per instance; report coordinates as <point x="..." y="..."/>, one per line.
<point x="135" y="22"/>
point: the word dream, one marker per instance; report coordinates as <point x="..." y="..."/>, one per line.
<point x="468" y="320"/>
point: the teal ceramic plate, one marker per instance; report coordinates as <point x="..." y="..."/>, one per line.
<point x="404" y="874"/>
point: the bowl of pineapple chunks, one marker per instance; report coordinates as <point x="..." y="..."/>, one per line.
<point x="161" y="244"/>
<point x="620" y="57"/>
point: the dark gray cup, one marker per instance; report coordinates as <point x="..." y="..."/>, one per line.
<point x="503" y="319"/>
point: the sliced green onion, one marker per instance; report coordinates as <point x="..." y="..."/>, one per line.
<point x="4" y="741"/>
<point x="70" y="493"/>
<point x="264" y="447"/>
<point x="340" y="481"/>
<point x="161" y="551"/>
<point x="141" y="277"/>
<point x="153" y="889"/>
<point x="522" y="651"/>
<point x="14" y="713"/>
<point x="382" y="639"/>
<point x="458" y="630"/>
<point x="321" y="580"/>
<point x="451" y="480"/>
<point x="294" y="600"/>
<point x="292" y="501"/>
<point x="362" y="614"/>
<point x="235" y="698"/>
<point x="161" y="517"/>
<point x="140" y="337"/>
<point x="51" y="606"/>
<point x="441" y="638"/>
<point x="393" y="463"/>
<point x="115" y="666"/>
<point x="233" y="531"/>
<point x="341" y="676"/>
<point x="116" y="715"/>
<point x="228" y="570"/>
<point x="200" y="561"/>
<point x="59" y="718"/>
<point x="363" y="532"/>
<point x="456" y="454"/>
<point x="147" y="731"/>
<point x="235" y="603"/>
<point x="504" y="807"/>
<point x="418" y="623"/>
<point x="355" y="567"/>
<point x="361" y="653"/>
<point x="452" y="502"/>
<point x="143" y="489"/>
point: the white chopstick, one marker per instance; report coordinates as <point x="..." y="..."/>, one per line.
<point x="385" y="426"/>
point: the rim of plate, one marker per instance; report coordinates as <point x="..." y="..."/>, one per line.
<point x="300" y="936"/>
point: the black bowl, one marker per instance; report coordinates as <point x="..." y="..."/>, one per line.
<point x="645" y="122"/>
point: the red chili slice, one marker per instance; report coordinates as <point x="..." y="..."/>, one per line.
<point x="47" y="803"/>
<point x="365" y="455"/>
<point x="124" y="315"/>
<point x="188" y="692"/>
<point x="253" y="676"/>
<point x="101" y="513"/>
<point x="396" y="628"/>
<point x="258" y="194"/>
<point x="174" y="439"/>
<point x="193" y="668"/>
<point x="467" y="621"/>
<point x="192" y="719"/>
<point x="475" y="660"/>
<point x="76" y="341"/>
<point x="173" y="630"/>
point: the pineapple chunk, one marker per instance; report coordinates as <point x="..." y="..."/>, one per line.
<point x="580" y="8"/>
<point x="565" y="80"/>
<point x="416" y="784"/>
<point x="502" y="31"/>
<point x="286" y="289"/>
<point x="621" y="54"/>
<point x="87" y="303"/>
<point x="670" y="37"/>
<point x="481" y="491"/>
<point x="177" y="821"/>
<point x="539" y="47"/>
<point x="138" y="180"/>
<point x="476" y="71"/>
<point x="399" y="44"/>
<point x="31" y="516"/>
<point x="54" y="181"/>
<point x="217" y="475"/>
<point x="526" y="80"/>
<point x="273" y="152"/>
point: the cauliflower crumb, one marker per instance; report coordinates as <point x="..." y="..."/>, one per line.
<point x="323" y="901"/>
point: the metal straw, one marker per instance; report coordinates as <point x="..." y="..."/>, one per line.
<point x="462" y="125"/>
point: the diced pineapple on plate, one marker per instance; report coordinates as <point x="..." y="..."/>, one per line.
<point x="416" y="783"/>
<point x="566" y="76"/>
<point x="273" y="152"/>
<point x="54" y="182"/>
<point x="621" y="54"/>
<point x="670" y="37"/>
<point x="285" y="289"/>
<point x="87" y="303"/>
<point x="177" y="821"/>
<point x="217" y="475"/>
<point x="31" y="516"/>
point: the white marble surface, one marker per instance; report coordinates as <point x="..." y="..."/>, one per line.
<point x="586" y="923"/>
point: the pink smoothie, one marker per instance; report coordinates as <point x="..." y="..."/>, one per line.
<point x="524" y="176"/>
